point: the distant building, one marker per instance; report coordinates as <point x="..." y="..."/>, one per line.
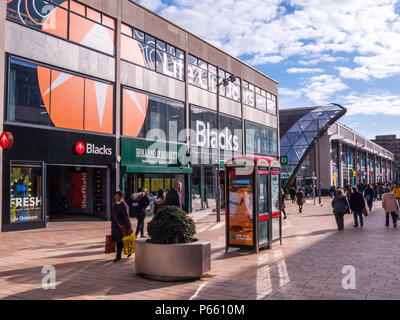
<point x="391" y="143"/>
<point x="346" y="157"/>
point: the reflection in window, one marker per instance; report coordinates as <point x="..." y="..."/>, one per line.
<point x="260" y="139"/>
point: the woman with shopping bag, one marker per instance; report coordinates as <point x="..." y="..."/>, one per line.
<point x="390" y="205"/>
<point x="120" y="224"/>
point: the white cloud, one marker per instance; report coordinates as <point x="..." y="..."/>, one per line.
<point x="318" y="89"/>
<point x="387" y="104"/>
<point x="304" y="70"/>
<point x="153" y="5"/>
<point x="317" y="31"/>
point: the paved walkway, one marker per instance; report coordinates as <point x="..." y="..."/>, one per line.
<point x="307" y="266"/>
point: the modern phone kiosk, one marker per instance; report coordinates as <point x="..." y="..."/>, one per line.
<point x="253" y="216"/>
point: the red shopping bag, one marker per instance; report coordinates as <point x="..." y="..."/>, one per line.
<point x="110" y="244"/>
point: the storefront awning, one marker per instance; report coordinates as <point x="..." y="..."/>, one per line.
<point x="150" y="169"/>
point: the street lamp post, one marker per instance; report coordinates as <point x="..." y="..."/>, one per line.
<point x="225" y="83"/>
<point x="319" y="164"/>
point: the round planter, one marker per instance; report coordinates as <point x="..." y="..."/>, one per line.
<point x="172" y="262"/>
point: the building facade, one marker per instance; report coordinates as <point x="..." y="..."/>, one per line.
<point x="103" y="95"/>
<point x="317" y="145"/>
<point x="392" y="143"/>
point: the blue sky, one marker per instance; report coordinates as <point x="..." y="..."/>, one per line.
<point x="342" y="51"/>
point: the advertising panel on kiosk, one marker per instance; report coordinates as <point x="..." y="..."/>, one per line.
<point x="253" y="218"/>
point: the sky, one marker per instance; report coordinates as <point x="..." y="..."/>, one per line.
<point x="319" y="51"/>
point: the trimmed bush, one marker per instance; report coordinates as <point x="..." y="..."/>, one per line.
<point x="171" y="225"/>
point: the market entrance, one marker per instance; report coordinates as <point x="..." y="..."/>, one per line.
<point x="77" y="192"/>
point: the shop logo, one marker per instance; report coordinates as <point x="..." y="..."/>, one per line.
<point x="207" y="137"/>
<point x="6" y="140"/>
<point x="91" y="148"/>
<point x="80" y="147"/>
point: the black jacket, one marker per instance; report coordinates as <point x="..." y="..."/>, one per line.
<point x="370" y="192"/>
<point x="172" y="198"/>
<point x="143" y="203"/>
<point x="340" y="204"/>
<point x="119" y="217"/>
<point x="357" y="201"/>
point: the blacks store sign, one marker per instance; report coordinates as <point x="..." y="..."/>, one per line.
<point x="56" y="146"/>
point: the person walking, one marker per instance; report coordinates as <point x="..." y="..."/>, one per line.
<point x="283" y="197"/>
<point x="357" y="204"/>
<point x="390" y="205"/>
<point x="340" y="207"/>
<point x="292" y="193"/>
<point x="369" y="196"/>
<point x="348" y="193"/>
<point x="159" y="201"/>
<point x="173" y="195"/>
<point x="142" y="203"/>
<point x="332" y="191"/>
<point x="396" y="191"/>
<point x="380" y="191"/>
<point x="300" y="199"/>
<point x="119" y="221"/>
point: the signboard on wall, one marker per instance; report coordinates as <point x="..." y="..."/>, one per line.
<point x="78" y="190"/>
<point x="241" y="210"/>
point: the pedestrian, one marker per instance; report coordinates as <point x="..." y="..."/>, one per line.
<point x="292" y="193"/>
<point x="396" y="191"/>
<point x="283" y="197"/>
<point x="119" y="221"/>
<point x="357" y="204"/>
<point x="375" y="192"/>
<point x="348" y="193"/>
<point x="173" y="195"/>
<point x="300" y="199"/>
<point x="380" y="191"/>
<point x="340" y="207"/>
<point x="390" y="205"/>
<point x="332" y="191"/>
<point x="159" y="201"/>
<point x="369" y="196"/>
<point x="143" y="201"/>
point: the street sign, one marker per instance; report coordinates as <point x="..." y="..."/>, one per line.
<point x="6" y="140"/>
<point x="283" y="160"/>
<point x="221" y="164"/>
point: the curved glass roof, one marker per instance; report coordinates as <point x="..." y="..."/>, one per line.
<point x="298" y="140"/>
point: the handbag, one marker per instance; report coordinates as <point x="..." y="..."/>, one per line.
<point x="110" y="245"/>
<point x="129" y="244"/>
<point x="365" y="212"/>
<point x="124" y="230"/>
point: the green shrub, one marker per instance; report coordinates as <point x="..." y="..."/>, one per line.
<point x="171" y="225"/>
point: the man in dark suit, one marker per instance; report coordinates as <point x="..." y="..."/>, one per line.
<point x="173" y="195"/>
<point x="119" y="218"/>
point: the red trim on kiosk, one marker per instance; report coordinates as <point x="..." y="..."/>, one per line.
<point x="276" y="214"/>
<point x="262" y="218"/>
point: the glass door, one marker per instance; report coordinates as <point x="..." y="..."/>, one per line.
<point x="263" y="212"/>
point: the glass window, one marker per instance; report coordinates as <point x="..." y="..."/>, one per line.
<point x="142" y="113"/>
<point x="198" y="76"/>
<point x="42" y="96"/>
<point x="161" y="45"/>
<point x="149" y="40"/>
<point x="260" y="139"/>
<point x="171" y="50"/>
<point x="138" y="35"/>
<point x="258" y="91"/>
<point x="192" y="60"/>
<point x="94" y="15"/>
<point x="26" y="196"/>
<point x="180" y="54"/>
<point x="99" y="38"/>
<point x="212" y="69"/>
<point x="251" y="87"/>
<point x="248" y="97"/>
<point x="202" y="64"/>
<point x="261" y="103"/>
<point x="170" y="65"/>
<point x="77" y="8"/>
<point x="108" y="21"/>
<point x="125" y="29"/>
<point x="245" y="84"/>
<point x="212" y="82"/>
<point x="271" y="107"/>
<point x="275" y="192"/>
<point x="26" y="101"/>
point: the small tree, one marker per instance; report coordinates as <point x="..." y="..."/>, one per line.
<point x="171" y="225"/>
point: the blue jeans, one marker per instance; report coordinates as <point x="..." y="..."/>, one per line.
<point x="358" y="213"/>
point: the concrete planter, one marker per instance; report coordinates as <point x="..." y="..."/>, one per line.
<point x="172" y="262"/>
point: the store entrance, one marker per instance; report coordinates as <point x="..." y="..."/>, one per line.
<point x="77" y="193"/>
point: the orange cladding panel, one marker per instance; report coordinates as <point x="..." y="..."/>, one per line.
<point x="67" y="100"/>
<point x="98" y="106"/>
<point x="134" y="112"/>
